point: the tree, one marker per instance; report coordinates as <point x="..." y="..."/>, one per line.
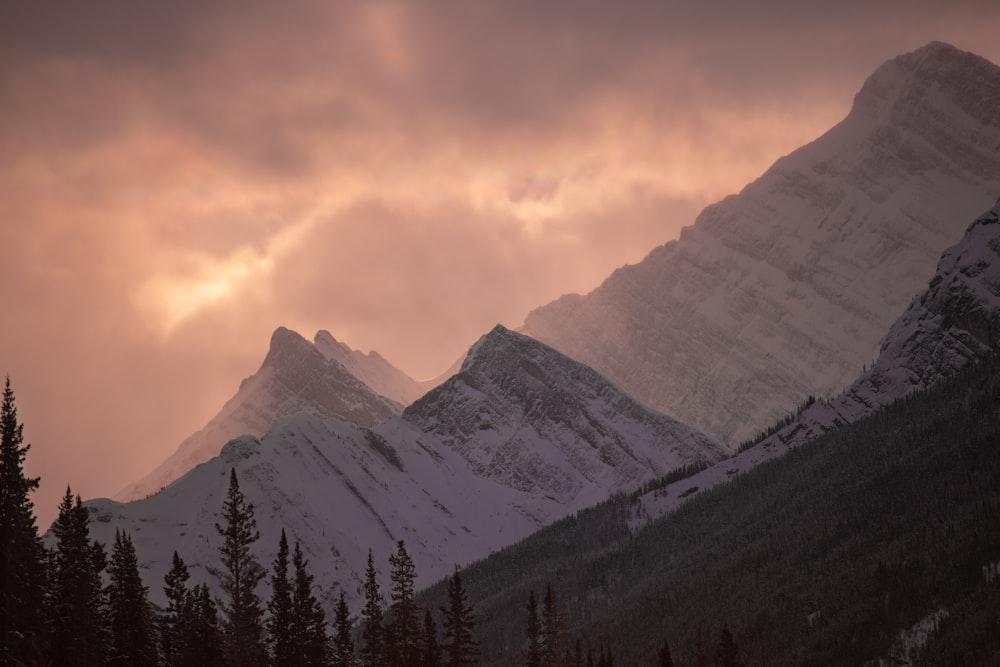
<point x="553" y="630"/>
<point x="243" y="631"/>
<point x="404" y="627"/>
<point x="728" y="652"/>
<point x="77" y="618"/>
<point x="343" y="643"/>
<point x="310" y="638"/>
<point x="130" y="618"/>
<point x="533" y="652"/>
<point x="460" y="647"/>
<point x="202" y="637"/>
<point x="172" y="630"/>
<point x="22" y="574"/>
<point x="663" y="657"/>
<point x="430" y="651"/>
<point x="279" y="625"/>
<point x="371" y="619"/>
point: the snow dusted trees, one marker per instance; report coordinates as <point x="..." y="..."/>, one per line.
<point x="243" y="631"/>
<point x="343" y="642"/>
<point x="21" y="552"/>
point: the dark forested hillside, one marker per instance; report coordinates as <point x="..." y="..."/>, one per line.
<point x="819" y="558"/>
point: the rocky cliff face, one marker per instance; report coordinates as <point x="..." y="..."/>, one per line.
<point x="520" y="437"/>
<point x="294" y="377"/>
<point x="786" y="290"/>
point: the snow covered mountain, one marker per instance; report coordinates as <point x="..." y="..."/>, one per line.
<point x="295" y="376"/>
<point x="520" y="437"/>
<point x="951" y="323"/>
<point x="786" y="290"/>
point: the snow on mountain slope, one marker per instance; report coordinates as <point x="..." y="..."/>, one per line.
<point x="295" y="376"/>
<point x="951" y="323"/>
<point x="375" y="371"/>
<point x="535" y="420"/>
<point x="522" y="436"/>
<point x="785" y="290"/>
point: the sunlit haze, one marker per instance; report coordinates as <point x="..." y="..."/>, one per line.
<point x="178" y="179"/>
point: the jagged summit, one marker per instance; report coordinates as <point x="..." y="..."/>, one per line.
<point x="529" y="417"/>
<point x="373" y="369"/>
<point x="786" y="289"/>
<point x="295" y="376"/>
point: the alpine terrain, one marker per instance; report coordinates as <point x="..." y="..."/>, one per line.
<point x="520" y="437"/>
<point x="786" y="289"/>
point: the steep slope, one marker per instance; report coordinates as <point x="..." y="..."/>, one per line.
<point x="785" y="290"/>
<point x="522" y="436"/>
<point x="295" y="376"/>
<point x="952" y="323"/>
<point x="374" y="370"/>
<point x="532" y="419"/>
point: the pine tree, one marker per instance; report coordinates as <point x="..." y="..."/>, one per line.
<point x="310" y="639"/>
<point x="405" y="614"/>
<point x="553" y="630"/>
<point x="202" y="646"/>
<point x="172" y="634"/>
<point x="279" y="625"/>
<point x="727" y="652"/>
<point x="343" y="642"/>
<point x="533" y="652"/>
<point x="243" y="631"/>
<point x="77" y="605"/>
<point x="22" y="570"/>
<point x="663" y="657"/>
<point x="430" y="650"/>
<point x="130" y="618"/>
<point x="371" y="619"/>
<point x="460" y="647"/>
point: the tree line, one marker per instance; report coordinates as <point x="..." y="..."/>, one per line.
<point x="74" y="606"/>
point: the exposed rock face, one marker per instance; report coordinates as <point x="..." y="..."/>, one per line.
<point x="520" y="437"/>
<point x="786" y="290"/>
<point x="294" y="377"/>
<point x="372" y="369"/>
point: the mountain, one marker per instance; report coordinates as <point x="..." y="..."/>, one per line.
<point x="295" y="376"/>
<point x="786" y="289"/>
<point x="520" y="437"/>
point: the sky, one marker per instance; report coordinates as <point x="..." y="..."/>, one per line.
<point x="178" y="179"/>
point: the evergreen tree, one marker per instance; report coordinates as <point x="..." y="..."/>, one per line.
<point x="242" y="631"/>
<point x="130" y="618"/>
<point x="430" y="651"/>
<point x="172" y="630"/>
<point x="77" y="619"/>
<point x="727" y="652"/>
<point x="405" y="614"/>
<point x="553" y="631"/>
<point x="22" y="573"/>
<point x="533" y="652"/>
<point x="663" y="657"/>
<point x="279" y="625"/>
<point x="202" y="646"/>
<point x="371" y="619"/>
<point x="343" y="642"/>
<point x="310" y="639"/>
<point x="460" y="647"/>
<point x="578" y="654"/>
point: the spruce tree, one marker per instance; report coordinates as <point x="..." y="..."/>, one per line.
<point x="663" y="658"/>
<point x="430" y="650"/>
<point x="460" y="647"/>
<point x="172" y="623"/>
<point x="310" y="639"/>
<point x="130" y="618"/>
<point x="279" y="625"/>
<point x="202" y="646"/>
<point x="22" y="573"/>
<point x="533" y="651"/>
<point x="242" y="630"/>
<point x="405" y="614"/>
<point x="371" y="619"/>
<point x="553" y="630"/>
<point x="727" y="652"/>
<point x="77" y="598"/>
<point x="343" y="642"/>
